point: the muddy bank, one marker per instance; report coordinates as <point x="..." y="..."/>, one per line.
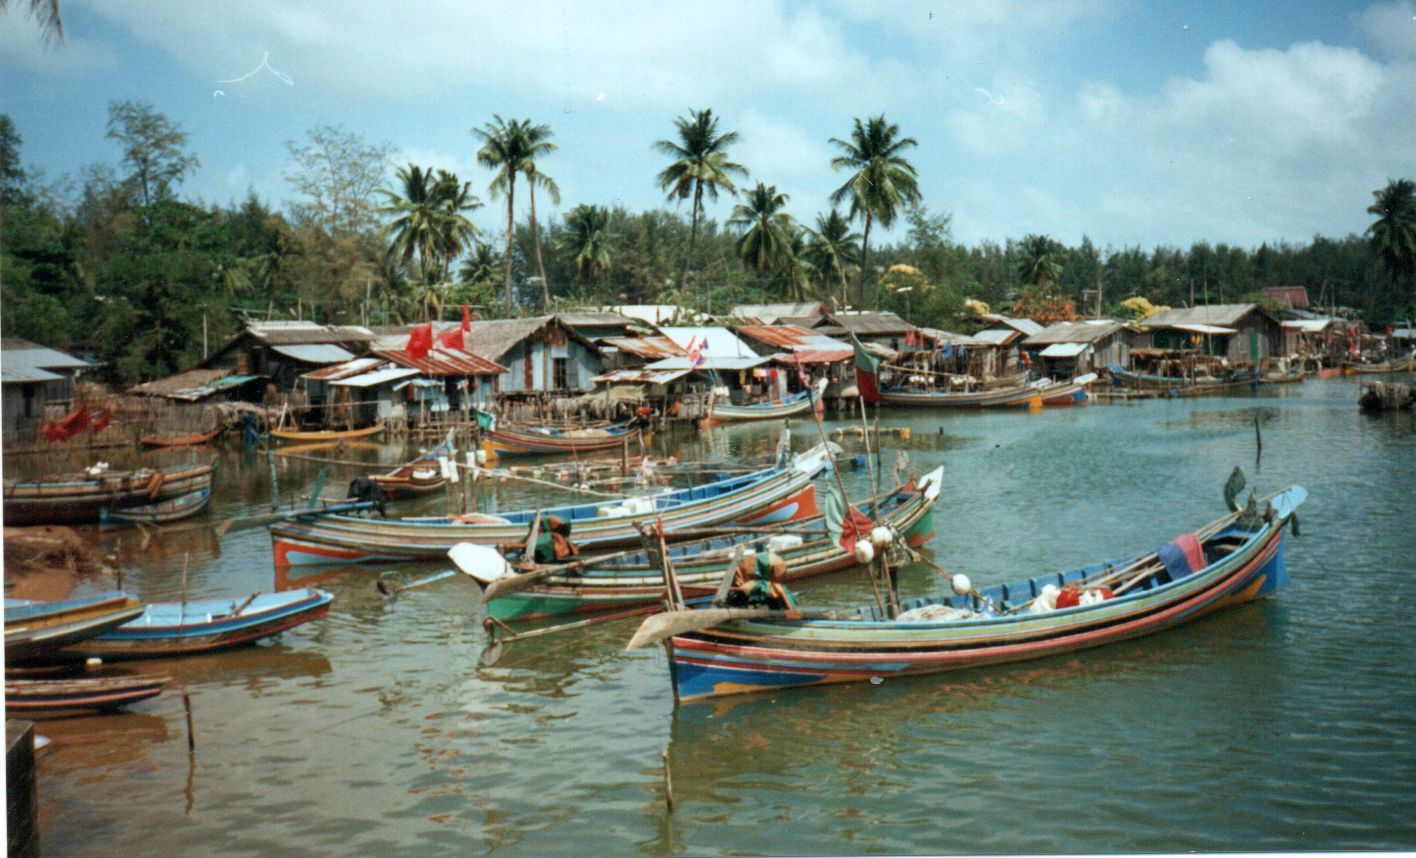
<point x="46" y="563"/>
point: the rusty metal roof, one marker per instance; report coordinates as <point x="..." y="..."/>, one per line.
<point x="640" y="376"/>
<point x="809" y="355"/>
<point x="443" y="362"/>
<point x="649" y="348"/>
<point x="344" y="370"/>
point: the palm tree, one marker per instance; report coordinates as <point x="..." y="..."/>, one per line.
<point x="46" y="13"/>
<point x="455" y="232"/>
<point x="797" y="267"/>
<point x="481" y="266"/>
<point x="504" y="150"/>
<point x="701" y="163"/>
<point x="766" y="239"/>
<point x="831" y="247"/>
<point x="881" y="181"/>
<point x="1394" y="231"/>
<point x="538" y="143"/>
<point x="587" y="236"/>
<point x="416" y="227"/>
<point x="1038" y="265"/>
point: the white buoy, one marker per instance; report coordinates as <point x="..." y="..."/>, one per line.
<point x="881" y="537"/>
<point x="864" y="552"/>
<point x="961" y="583"/>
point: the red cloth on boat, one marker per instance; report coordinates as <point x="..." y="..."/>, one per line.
<point x="1189" y="543"/>
<point x="67" y="426"/>
<point x="854" y="527"/>
<point x="1069" y="597"/>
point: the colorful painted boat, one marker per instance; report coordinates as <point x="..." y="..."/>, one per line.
<point x="797" y="403"/>
<point x="1407" y="364"/>
<point x="83" y="497"/>
<point x="1232" y="560"/>
<point x="771" y="496"/>
<point x="699" y="565"/>
<point x="1178" y="386"/>
<point x="318" y="435"/>
<point x="547" y="441"/>
<point x="191" y="439"/>
<point x="204" y="625"/>
<point x="1002" y="397"/>
<point x="37" y="629"/>
<point x="1064" y="392"/>
<point x="79" y="695"/>
<point x="175" y="509"/>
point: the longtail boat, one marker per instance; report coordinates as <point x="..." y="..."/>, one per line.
<point x="634" y="580"/>
<point x="425" y="475"/>
<point x="771" y="496"/>
<point x="1178" y="385"/>
<point x="546" y="441"/>
<point x="83" y="497"/>
<point x="173" y="509"/>
<point x="1406" y="364"/>
<point x="316" y="435"/>
<point x="77" y="695"/>
<point x="1232" y="560"/>
<point x="797" y="403"/>
<point x="1064" y="392"/>
<point x="1291" y="376"/>
<point x="191" y="439"/>
<point x="1001" y="397"/>
<point x="36" y="629"/>
<point x="204" y="625"/>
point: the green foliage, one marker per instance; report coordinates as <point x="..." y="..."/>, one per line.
<point x="881" y="181"/>
<point x="152" y="149"/>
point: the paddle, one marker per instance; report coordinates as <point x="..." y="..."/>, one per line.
<point x="392" y="590"/>
<point x="665" y="625"/>
<point x="271" y="517"/>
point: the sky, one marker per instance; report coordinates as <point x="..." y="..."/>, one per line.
<point x="1132" y="123"/>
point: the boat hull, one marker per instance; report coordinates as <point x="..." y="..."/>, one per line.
<point x="501" y="442"/>
<point x="759" y="655"/>
<point x="774" y="410"/>
<point x="175" y="509"/>
<point x="1006" y="397"/>
<point x="57" y="698"/>
<point x="85" y="500"/>
<point x="326" y="435"/>
<point x="37" y="629"/>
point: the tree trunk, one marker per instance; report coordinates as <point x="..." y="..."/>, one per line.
<point x="536" y="242"/>
<point x="510" y="224"/>
<point x="864" y="257"/>
<point x="692" y="240"/>
<point x="841" y="270"/>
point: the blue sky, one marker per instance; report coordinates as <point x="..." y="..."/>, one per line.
<point x="1132" y="123"/>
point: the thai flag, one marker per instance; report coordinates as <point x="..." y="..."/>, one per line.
<point x="696" y="347"/>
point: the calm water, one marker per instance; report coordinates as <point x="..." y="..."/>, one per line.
<point x="1283" y="725"/>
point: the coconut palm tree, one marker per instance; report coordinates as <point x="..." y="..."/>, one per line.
<point x="881" y="179"/>
<point x="455" y="232"/>
<point x="416" y="228"/>
<point x="538" y="143"/>
<point x="766" y="230"/>
<point x="504" y="147"/>
<point x="1394" y="231"/>
<point x="46" y="12"/>
<point x="831" y="247"/>
<point x="797" y="267"/>
<point x="1038" y="263"/>
<point x="587" y="236"/>
<point x="701" y="164"/>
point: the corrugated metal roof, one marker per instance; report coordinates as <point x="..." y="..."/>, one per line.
<point x="822" y="349"/>
<point x="26" y="374"/>
<point x="654" y="314"/>
<point x="378" y="376"/>
<point x="1404" y="333"/>
<point x="1082" y="331"/>
<point x="640" y="376"/>
<point x="344" y="370"/>
<point x="998" y="336"/>
<point x="317" y="353"/>
<point x="1214" y="330"/>
<point x="1063" y="350"/>
<point x="771" y="314"/>
<point x="291" y="333"/>
<point x="1024" y="326"/>
<point x="809" y="355"/>
<point x="650" y="348"/>
<point x="21" y="355"/>
<point x="871" y="324"/>
<point x="193" y="385"/>
<point x="730" y="364"/>
<point x="595" y="320"/>
<point x="1312" y="326"/>
<point x="444" y="362"/>
<point x="942" y="336"/>
<point x="722" y="343"/>
<point x="1228" y="315"/>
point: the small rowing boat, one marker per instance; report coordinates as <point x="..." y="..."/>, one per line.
<point x="173" y="509"/>
<point x="1002" y="397"/>
<point x="1064" y="392"/>
<point x="772" y="409"/>
<point x="167" y="629"/>
<point x="84" y="497"/>
<point x="549" y="441"/>
<point x="1406" y="364"/>
<point x="191" y="439"/>
<point x="732" y="651"/>
<point x="636" y="580"/>
<point x="771" y="496"/>
<point x="37" y="629"/>
<point x="318" y="435"/>
<point x="77" y="695"/>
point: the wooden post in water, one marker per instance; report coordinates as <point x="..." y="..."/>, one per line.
<point x="274" y="483"/>
<point x="668" y="783"/>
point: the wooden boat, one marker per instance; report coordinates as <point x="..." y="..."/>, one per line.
<point x="797" y="403"/>
<point x="318" y="435"/>
<point x="191" y="439"/>
<point x="409" y="481"/>
<point x="1406" y="364"/>
<point x="175" y="509"/>
<point x="1292" y="376"/>
<point x="546" y="441"/>
<point x="770" y="496"/>
<point x="36" y="629"/>
<point x="53" y="697"/>
<point x="1002" y="397"/>
<point x="1232" y="560"/>
<point x="1064" y="392"/>
<point x="1330" y="372"/>
<point x="83" y="497"/>
<point x="204" y="625"/>
<point x="1179" y="386"/>
<point x="699" y="566"/>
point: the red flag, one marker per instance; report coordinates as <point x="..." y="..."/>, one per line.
<point x="867" y="368"/>
<point x="420" y="341"/>
<point x="452" y="339"/>
<point x="466" y="319"/>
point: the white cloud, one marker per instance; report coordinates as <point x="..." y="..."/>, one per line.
<point x="1391" y="27"/>
<point x="22" y="45"/>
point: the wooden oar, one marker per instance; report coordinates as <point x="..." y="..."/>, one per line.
<point x="393" y="590"/>
<point x="669" y="623"/>
<point x="271" y="517"/>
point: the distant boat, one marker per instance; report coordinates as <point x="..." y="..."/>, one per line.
<point x="314" y="435"/>
<point x="1064" y="392"/>
<point x="797" y="403"/>
<point x="189" y="440"/>
<point x="1001" y="397"/>
<point x="1179" y="385"/>
<point x="167" y="629"/>
<point x="61" y="696"/>
<point x="1293" y="375"/>
<point x="1406" y="364"/>
<point x="733" y="651"/>
<point x="546" y="441"/>
<point x="84" y="497"/>
<point x="174" y="509"/>
<point x="37" y="629"/>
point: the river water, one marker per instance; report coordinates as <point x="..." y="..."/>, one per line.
<point x="1287" y="724"/>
